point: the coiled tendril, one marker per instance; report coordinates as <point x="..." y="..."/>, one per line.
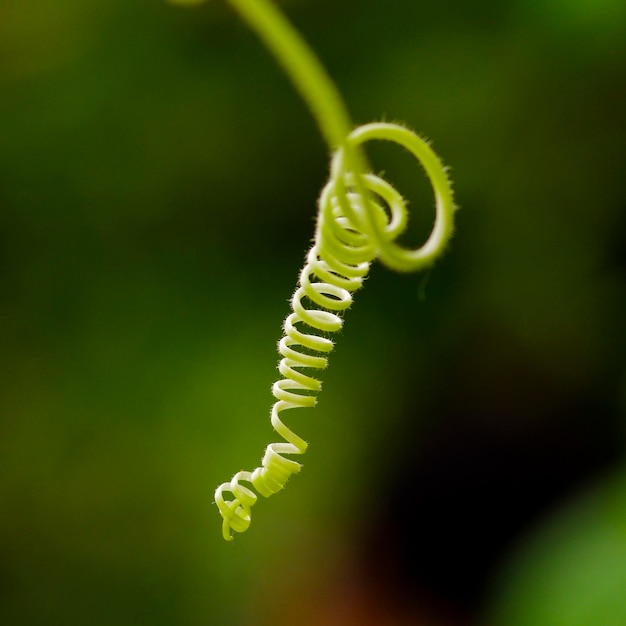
<point x="360" y="216"/>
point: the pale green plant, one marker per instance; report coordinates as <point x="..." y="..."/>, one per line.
<point x="359" y="217"/>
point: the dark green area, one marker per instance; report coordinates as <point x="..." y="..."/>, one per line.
<point x="158" y="181"/>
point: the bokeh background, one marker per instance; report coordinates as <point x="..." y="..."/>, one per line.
<point x="158" y="179"/>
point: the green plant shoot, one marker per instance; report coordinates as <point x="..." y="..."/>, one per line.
<point x="360" y="215"/>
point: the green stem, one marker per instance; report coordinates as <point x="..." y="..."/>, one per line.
<point x="301" y="65"/>
<point x="312" y="82"/>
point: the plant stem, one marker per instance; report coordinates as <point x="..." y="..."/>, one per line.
<point x="301" y="65"/>
<point x="312" y="82"/>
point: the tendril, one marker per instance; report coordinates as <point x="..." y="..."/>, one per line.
<point x="353" y="229"/>
<point x="360" y="217"/>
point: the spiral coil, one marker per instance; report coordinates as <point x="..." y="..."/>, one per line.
<point x="360" y="215"/>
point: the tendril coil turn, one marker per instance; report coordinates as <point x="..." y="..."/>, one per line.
<point x="359" y="217"/>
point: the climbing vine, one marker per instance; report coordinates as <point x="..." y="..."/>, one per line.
<point x="360" y="216"/>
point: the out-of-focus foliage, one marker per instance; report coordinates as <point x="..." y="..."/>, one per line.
<point x="141" y="146"/>
<point x="572" y="573"/>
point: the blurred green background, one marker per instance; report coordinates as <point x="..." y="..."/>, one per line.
<point x="158" y="179"/>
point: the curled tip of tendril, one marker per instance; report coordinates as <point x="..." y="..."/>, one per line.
<point x="360" y="216"/>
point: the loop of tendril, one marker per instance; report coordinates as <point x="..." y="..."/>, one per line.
<point x="360" y="216"/>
